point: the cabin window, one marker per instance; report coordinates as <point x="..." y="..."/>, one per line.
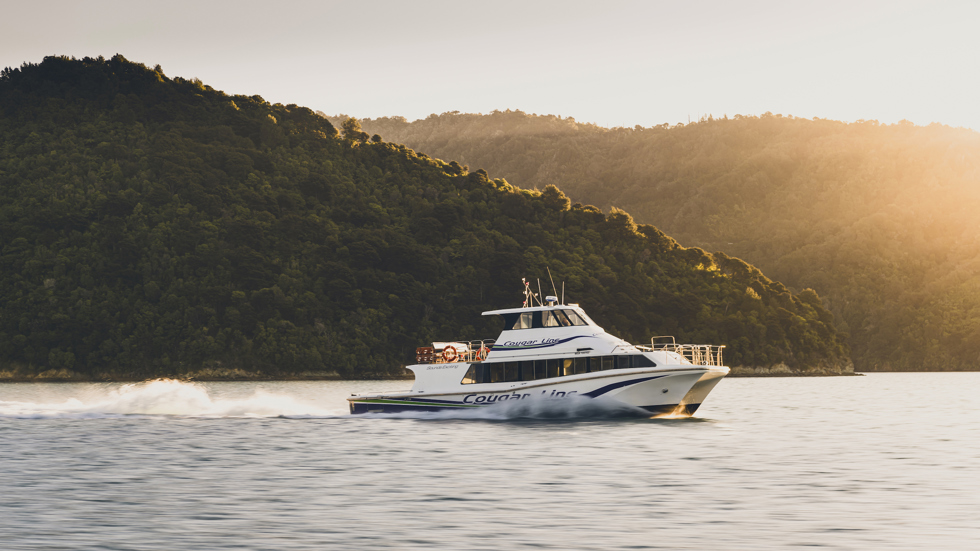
<point x="549" y="319"/>
<point x="574" y="318"/>
<point x="540" y="370"/>
<point x="523" y="321"/>
<point x="496" y="373"/>
<point x="567" y="367"/>
<point x="640" y="360"/>
<point x="562" y="319"/>
<point x="477" y="373"/>
<point x="536" y="320"/>
<point x="531" y="370"/>
<point x="553" y="366"/>
<point x="527" y="370"/>
<point x="555" y="318"/>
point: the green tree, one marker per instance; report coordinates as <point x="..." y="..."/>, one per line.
<point x="204" y="234"/>
<point x="351" y="129"/>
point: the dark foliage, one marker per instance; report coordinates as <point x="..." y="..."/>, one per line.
<point x="879" y="219"/>
<point x="153" y="227"/>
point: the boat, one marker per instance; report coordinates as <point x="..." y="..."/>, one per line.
<point x="554" y="351"/>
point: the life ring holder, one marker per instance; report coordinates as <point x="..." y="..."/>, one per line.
<point x="482" y="353"/>
<point x="449" y="354"/>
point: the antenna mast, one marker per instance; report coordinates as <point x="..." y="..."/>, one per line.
<point x="552" y="280"/>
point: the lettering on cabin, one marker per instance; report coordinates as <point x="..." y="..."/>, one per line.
<point x="491" y="398"/>
<point x="520" y="343"/>
<point x="532" y="342"/>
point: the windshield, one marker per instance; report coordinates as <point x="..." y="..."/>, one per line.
<point x="574" y="318"/>
<point x="546" y="318"/>
<point x="585" y="318"/>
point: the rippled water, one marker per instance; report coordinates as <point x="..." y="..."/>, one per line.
<point x="885" y="461"/>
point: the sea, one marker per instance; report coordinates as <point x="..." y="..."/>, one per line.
<point x="881" y="461"/>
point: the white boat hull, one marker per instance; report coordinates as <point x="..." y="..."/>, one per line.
<point x="668" y="390"/>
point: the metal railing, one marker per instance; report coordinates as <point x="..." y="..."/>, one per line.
<point x="454" y="351"/>
<point x="697" y="354"/>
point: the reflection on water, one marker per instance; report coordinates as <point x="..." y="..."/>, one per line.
<point x="882" y="461"/>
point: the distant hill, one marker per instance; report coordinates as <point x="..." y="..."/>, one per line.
<point x="153" y="226"/>
<point x="881" y="220"/>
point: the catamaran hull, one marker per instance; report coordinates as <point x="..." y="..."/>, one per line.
<point x="660" y="392"/>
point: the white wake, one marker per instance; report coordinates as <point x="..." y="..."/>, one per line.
<point x="163" y="397"/>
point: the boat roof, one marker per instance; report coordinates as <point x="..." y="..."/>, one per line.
<point x="532" y="309"/>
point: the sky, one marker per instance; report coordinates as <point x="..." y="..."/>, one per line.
<point x="613" y="63"/>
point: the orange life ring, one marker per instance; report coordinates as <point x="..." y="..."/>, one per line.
<point x="449" y="354"/>
<point x="482" y="353"/>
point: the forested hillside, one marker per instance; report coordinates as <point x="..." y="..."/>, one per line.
<point x="881" y="220"/>
<point x="153" y="227"/>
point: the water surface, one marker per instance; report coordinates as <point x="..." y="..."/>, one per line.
<point x="885" y="461"/>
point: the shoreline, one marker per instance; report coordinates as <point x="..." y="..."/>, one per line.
<point x="789" y="375"/>
<point x="61" y="380"/>
<point x="737" y="373"/>
<point x="55" y="380"/>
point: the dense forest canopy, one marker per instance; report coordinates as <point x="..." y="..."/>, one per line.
<point x="881" y="220"/>
<point x="153" y="227"/>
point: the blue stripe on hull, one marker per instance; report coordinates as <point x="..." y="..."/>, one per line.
<point x="609" y="388"/>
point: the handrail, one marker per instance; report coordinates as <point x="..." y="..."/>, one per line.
<point x="463" y="351"/>
<point x="697" y="354"/>
<point x="476" y="351"/>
